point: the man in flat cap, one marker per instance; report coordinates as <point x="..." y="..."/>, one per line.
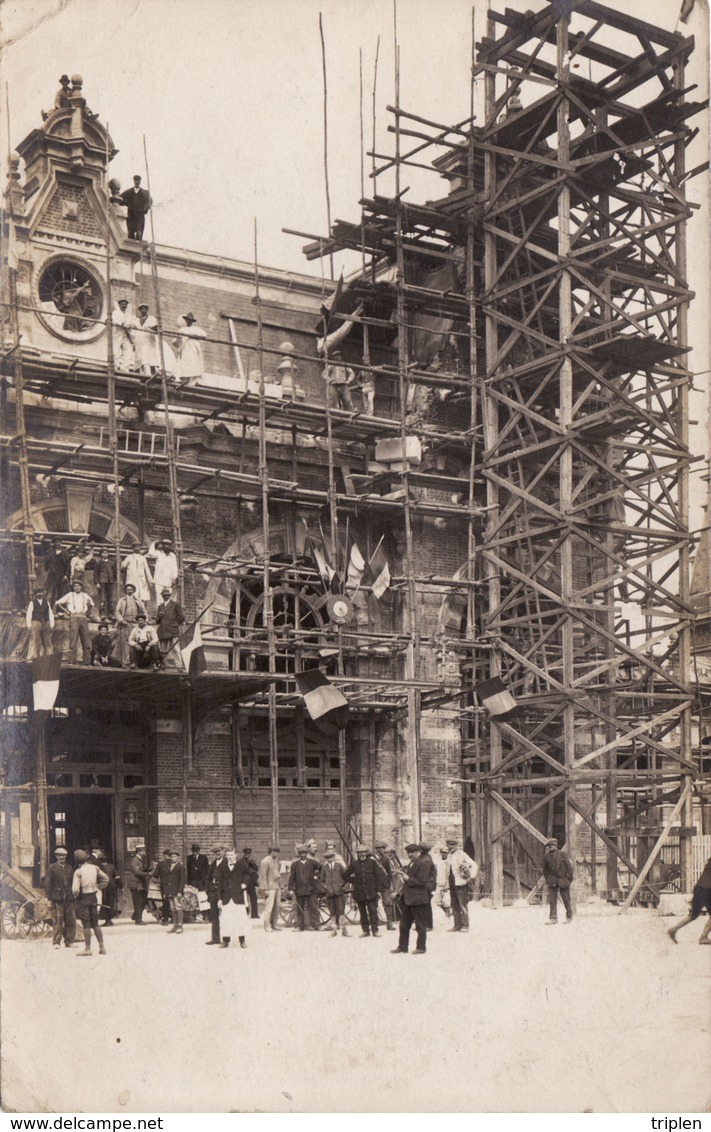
<point x="137" y="202"/>
<point x="269" y="874"/>
<point x="212" y="887"/>
<point x="558" y="874"/>
<point x="304" y="882"/>
<point x="387" y="859"/>
<point x="170" y="617"/>
<point x="368" y="880"/>
<point x="416" y="899"/>
<point x="58" y="889"/>
<point x="251" y="869"/>
<point x="460" y="870"/>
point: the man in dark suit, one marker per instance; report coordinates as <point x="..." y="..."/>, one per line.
<point x="212" y="888"/>
<point x="416" y="899"/>
<point x="368" y="881"/>
<point x="174" y="885"/>
<point x="137" y="203"/>
<point x="58" y="888"/>
<point x="252" y="881"/>
<point x="198" y="868"/>
<point x="232" y="875"/>
<point x="304" y="882"/>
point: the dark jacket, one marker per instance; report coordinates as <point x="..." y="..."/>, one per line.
<point x="557" y="869"/>
<point x="333" y="878"/>
<point x="58" y="882"/>
<point x="169" y="618"/>
<point x="304" y="877"/>
<point x="231" y="881"/>
<point x="137" y="875"/>
<point x="368" y="879"/>
<point x="174" y="880"/>
<point x="104" y="572"/>
<point x="198" y="868"/>
<point x="212" y="882"/>
<point x="136" y="201"/>
<point x="419" y="886"/>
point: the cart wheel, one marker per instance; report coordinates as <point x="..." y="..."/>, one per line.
<point x="287" y="911"/>
<point x="12" y="926"/>
<point x="30" y="917"/>
<point x="324" y="915"/>
<point x="351" y="913"/>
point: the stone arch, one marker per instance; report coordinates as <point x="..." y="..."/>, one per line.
<point x="52" y="515"/>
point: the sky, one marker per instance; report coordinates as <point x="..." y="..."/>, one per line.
<point x="229" y="97"/>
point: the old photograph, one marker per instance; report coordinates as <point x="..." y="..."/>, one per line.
<point x="355" y="581"/>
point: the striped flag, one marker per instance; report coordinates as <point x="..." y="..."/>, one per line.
<point x="192" y="651"/>
<point x="356" y="569"/>
<point x="378" y="573"/>
<point x="495" y="696"/>
<point x="45" y="684"/>
<point x="325" y="704"/>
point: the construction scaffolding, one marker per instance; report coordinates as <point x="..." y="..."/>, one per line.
<point x="527" y="337"/>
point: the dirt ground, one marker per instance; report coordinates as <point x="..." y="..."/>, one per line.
<point x="602" y="1015"/>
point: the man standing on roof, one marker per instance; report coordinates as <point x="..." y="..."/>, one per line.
<point x="138" y="573"/>
<point x="169" y="618"/>
<point x="137" y="202"/>
<point x="165" y="568"/>
<point x="128" y="608"/>
<point x="40" y="622"/>
<point x="78" y="605"/>
<point x="123" y="323"/>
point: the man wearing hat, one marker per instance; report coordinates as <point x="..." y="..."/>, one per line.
<point x="78" y="605"/>
<point x="137" y="877"/>
<point x="304" y="882"/>
<point x="165" y="566"/>
<point x="40" y="622"/>
<point x="138" y="573"/>
<point x="169" y="618"/>
<point x="146" y="341"/>
<point x="137" y="202"/>
<point x="128" y="608"/>
<point x="251" y="869"/>
<point x="384" y="857"/>
<point x="269" y="873"/>
<point x="558" y="874"/>
<point x="212" y="887"/>
<point x="189" y="349"/>
<point x="143" y="645"/>
<point x="368" y="881"/>
<point x="102" y="648"/>
<point x="58" y="889"/>
<point x="419" y="885"/>
<point x="123" y="323"/>
<point x="88" y="882"/>
<point x="333" y="879"/>
<point x="61" y="98"/>
<point x="460" y="870"/>
<point x="339" y="378"/>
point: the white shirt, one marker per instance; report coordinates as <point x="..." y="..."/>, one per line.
<point x="76" y="602"/>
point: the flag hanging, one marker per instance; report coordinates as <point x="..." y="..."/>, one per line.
<point x="192" y="651"/>
<point x="378" y="573"/>
<point x="45" y="684"/>
<point x="495" y="696"/>
<point x="356" y="569"/>
<point x="325" y="704"/>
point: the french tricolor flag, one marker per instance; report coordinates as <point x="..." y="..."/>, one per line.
<point x="192" y="651"/>
<point x="495" y="696"/>
<point x="45" y="684"/>
<point x="325" y="704"/>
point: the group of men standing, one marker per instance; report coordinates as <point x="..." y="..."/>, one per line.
<point x="85" y="892"/>
<point x="135" y="643"/>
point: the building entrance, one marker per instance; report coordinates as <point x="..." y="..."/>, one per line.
<point x="80" y="821"/>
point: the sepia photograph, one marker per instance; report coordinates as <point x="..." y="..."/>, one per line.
<point x="355" y="499"/>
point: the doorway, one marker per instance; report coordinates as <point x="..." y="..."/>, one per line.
<point x="80" y="820"/>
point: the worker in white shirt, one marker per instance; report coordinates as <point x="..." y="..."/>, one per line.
<point x="461" y="869"/>
<point x="143" y="645"/>
<point x="78" y="605"/>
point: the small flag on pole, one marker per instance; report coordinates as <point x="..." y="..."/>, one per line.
<point x="356" y="569"/>
<point x="378" y="573"/>
<point x="495" y="696"/>
<point x="45" y="684"/>
<point x="325" y="704"/>
<point x="192" y="651"/>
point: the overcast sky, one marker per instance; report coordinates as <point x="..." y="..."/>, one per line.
<point x="229" y="95"/>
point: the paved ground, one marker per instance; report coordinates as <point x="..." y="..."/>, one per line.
<point x="605" y="1014"/>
